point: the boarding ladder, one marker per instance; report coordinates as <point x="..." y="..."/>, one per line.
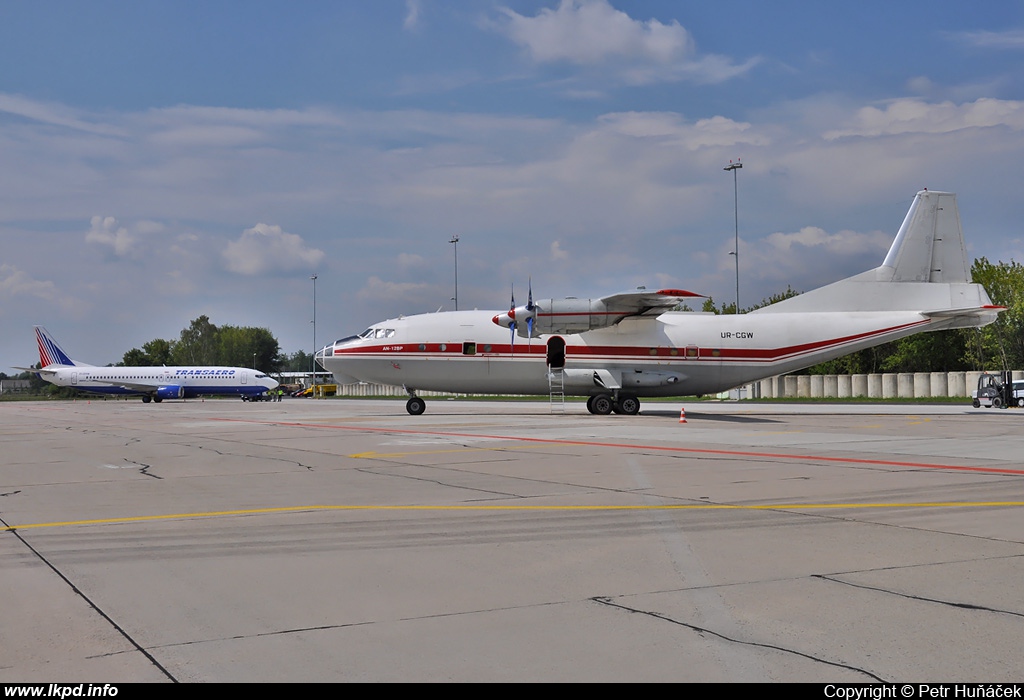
<point x="556" y="387"/>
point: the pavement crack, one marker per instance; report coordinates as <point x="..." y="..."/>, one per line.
<point x="144" y="468"/>
<point x="99" y="611"/>
<point x="910" y="596"/>
<point x="603" y="600"/>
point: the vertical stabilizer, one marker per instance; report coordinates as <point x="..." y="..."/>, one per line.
<point x="50" y="353"/>
<point x="930" y="244"/>
<point x="925" y="270"/>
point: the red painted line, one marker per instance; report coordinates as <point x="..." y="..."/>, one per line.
<point x="627" y="352"/>
<point x="627" y="446"/>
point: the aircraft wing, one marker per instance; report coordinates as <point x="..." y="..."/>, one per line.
<point x="639" y="303"/>
<point x="134" y="386"/>
<point x="574" y="315"/>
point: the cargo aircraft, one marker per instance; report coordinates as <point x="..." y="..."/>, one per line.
<point x="152" y="383"/>
<point x="620" y="348"/>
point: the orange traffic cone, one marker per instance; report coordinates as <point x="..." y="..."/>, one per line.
<point x="682" y="415"/>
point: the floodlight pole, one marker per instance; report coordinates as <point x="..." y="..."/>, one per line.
<point x="455" y="241"/>
<point x="314" y="335"/>
<point x="736" y="212"/>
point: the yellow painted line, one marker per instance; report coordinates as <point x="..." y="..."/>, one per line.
<point x="456" y="508"/>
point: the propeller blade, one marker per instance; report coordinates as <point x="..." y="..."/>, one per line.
<point x="529" y="321"/>
<point x="512" y="326"/>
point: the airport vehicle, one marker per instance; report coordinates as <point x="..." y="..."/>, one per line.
<point x="151" y="383"/>
<point x="998" y="391"/>
<point x="620" y="348"/>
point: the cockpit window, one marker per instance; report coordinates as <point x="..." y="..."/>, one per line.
<point x="368" y="333"/>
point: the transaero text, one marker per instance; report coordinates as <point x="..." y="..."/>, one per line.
<point x="196" y="372"/>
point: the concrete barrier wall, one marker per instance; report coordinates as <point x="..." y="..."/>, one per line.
<point x="888" y="386"/>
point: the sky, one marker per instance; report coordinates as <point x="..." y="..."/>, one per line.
<point x="164" y="160"/>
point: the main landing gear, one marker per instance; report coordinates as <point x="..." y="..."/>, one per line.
<point x="603" y="404"/>
<point x="415" y="405"/>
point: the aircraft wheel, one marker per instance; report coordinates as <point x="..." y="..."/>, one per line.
<point x="976" y="403"/>
<point x="997" y="402"/>
<point x="628" y="405"/>
<point x="590" y="404"/>
<point x="146" y="398"/>
<point x="157" y="399"/>
<point x="415" y="406"/>
<point x="602" y="404"/>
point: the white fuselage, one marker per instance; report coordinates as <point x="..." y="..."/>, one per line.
<point x="674" y="354"/>
<point x="163" y="382"/>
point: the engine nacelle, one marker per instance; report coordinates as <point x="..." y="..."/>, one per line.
<point x="605" y="379"/>
<point x="569" y="315"/>
<point x="170" y="392"/>
<point x="643" y="378"/>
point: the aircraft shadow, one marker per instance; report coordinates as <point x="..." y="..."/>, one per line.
<point x="723" y="418"/>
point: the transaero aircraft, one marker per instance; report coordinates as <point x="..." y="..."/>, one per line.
<point x="152" y="383"/>
<point x="620" y="348"/>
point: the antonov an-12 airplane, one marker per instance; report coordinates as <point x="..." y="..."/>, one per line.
<point x="620" y="348"/>
<point x="152" y="383"/>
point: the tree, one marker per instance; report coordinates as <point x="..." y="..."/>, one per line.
<point x="248" y="346"/>
<point x="198" y="344"/>
<point x="1001" y="344"/>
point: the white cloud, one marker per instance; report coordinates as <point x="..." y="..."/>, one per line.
<point x="557" y="253"/>
<point x="917" y="116"/>
<point x="412" y="14"/>
<point x="18" y="283"/>
<point x="264" y="248"/>
<point x="411" y="261"/>
<point x="106" y="231"/>
<point x="380" y="291"/>
<point x="1009" y="39"/>
<point x="592" y="33"/>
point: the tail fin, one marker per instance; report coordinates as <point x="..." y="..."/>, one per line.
<point x="926" y="270"/>
<point x="50" y="353"/>
<point x="930" y="244"/>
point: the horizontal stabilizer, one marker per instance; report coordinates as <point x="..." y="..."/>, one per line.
<point x="973" y="317"/>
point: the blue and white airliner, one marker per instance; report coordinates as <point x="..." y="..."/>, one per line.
<point x="151" y="383"/>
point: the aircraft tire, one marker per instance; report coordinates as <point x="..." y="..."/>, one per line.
<point x="590" y="404"/>
<point x="146" y="398"/>
<point x="628" y="405"/>
<point x="415" y="406"/>
<point x="602" y="404"/>
<point x="157" y="399"/>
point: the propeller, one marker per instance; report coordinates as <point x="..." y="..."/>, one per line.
<point x="529" y="319"/>
<point x="512" y="315"/>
